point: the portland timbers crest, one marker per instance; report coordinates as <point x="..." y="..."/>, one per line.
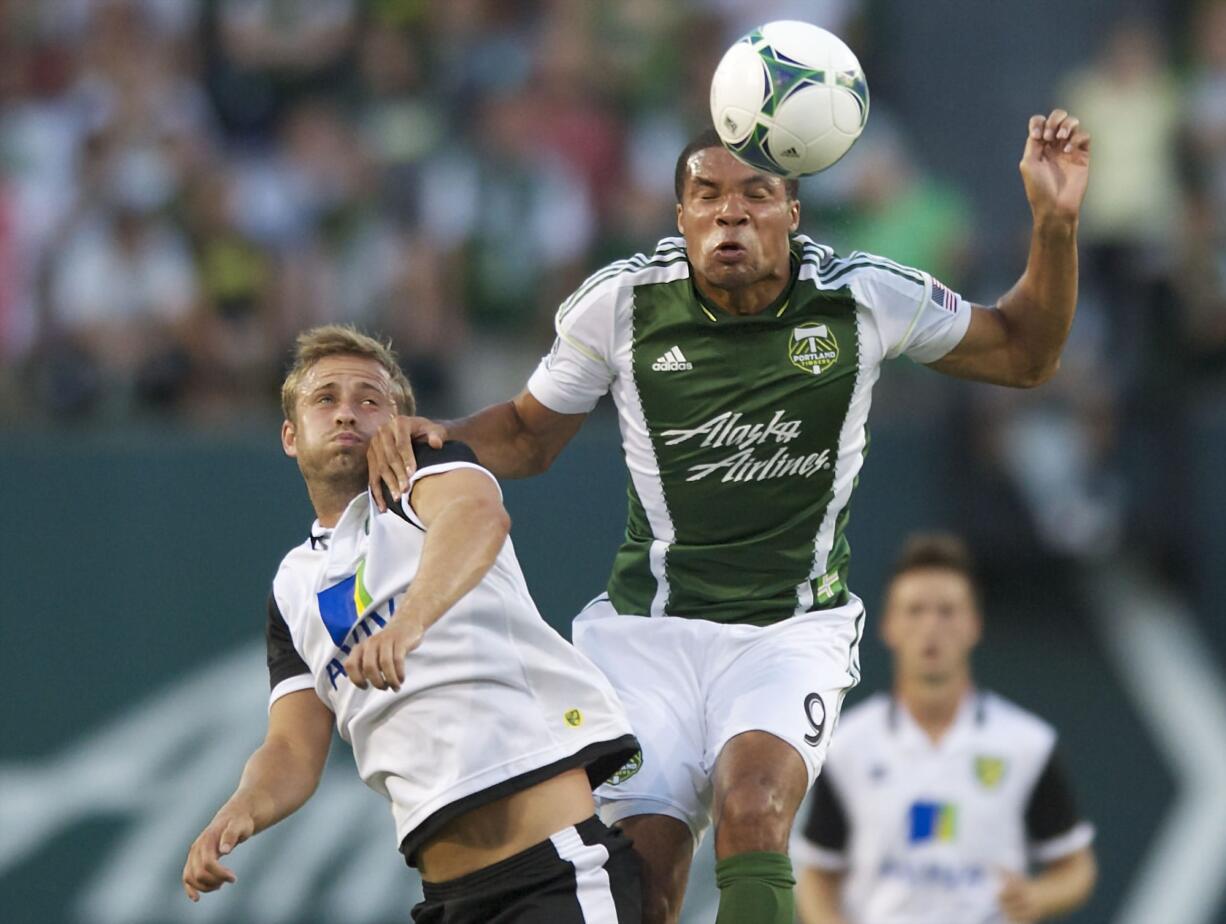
<point x="628" y="769"/>
<point x="813" y="348"/>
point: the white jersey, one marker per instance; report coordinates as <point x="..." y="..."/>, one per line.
<point x="494" y="700"/>
<point x="922" y="829"/>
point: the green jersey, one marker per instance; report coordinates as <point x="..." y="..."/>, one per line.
<point x="743" y="435"/>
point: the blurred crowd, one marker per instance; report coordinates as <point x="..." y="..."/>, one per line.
<point x="185" y="184"/>
<point x="1105" y="456"/>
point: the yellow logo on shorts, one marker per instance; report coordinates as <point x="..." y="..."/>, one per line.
<point x="990" y="771"/>
<point x="573" y="717"/>
<point x="629" y="769"/>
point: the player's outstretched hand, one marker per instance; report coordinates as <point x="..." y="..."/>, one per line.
<point x="1056" y="166"/>
<point x="1019" y="899"/>
<point x="389" y="457"/>
<point x="379" y="661"/>
<point x="203" y="871"/>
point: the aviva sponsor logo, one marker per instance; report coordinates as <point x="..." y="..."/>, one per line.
<point x="341" y="604"/>
<point x="933" y="821"/>
<point x="672" y="361"/>
<point x="344" y="609"/>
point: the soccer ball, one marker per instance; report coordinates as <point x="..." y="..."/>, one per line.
<point x="789" y="99"/>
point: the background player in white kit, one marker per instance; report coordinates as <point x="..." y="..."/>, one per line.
<point x="412" y="630"/>
<point x="935" y="799"/>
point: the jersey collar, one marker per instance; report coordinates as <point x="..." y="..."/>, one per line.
<point x="971" y="716"/>
<point x="320" y="537"/>
<point x="362" y="505"/>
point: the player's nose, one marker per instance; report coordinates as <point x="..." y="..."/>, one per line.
<point x="732" y="211"/>
<point x="346" y="411"/>
<point x="732" y="218"/>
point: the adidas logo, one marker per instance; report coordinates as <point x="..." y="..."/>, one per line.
<point x="790" y="152"/>
<point x="672" y="361"/>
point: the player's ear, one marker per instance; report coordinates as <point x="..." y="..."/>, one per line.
<point x="289" y="437"/>
<point x="680" y="224"/>
<point x="794" y="212"/>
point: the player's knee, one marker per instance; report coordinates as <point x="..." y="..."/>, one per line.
<point x="753" y="817"/>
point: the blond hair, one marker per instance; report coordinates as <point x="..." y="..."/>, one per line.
<point x="343" y="340"/>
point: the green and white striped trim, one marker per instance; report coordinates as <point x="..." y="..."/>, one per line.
<point x="812" y="253"/>
<point x="839" y="268"/>
<point x="851" y="432"/>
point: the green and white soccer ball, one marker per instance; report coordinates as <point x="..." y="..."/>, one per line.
<point x="789" y="98"/>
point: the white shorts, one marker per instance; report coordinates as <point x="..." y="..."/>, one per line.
<point x="690" y="685"/>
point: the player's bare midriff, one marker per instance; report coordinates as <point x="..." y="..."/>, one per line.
<point x="502" y="829"/>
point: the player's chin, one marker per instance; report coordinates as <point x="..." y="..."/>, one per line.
<point x="348" y="454"/>
<point x="730" y="275"/>
<point x="350" y="462"/>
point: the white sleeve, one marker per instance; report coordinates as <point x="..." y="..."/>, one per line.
<point x="291" y="685"/>
<point x="1078" y="838"/>
<point x="914" y="314"/>
<point x="578" y="370"/>
<point x="287" y="671"/>
<point x="431" y="461"/>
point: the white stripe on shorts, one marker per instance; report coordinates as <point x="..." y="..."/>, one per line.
<point x="591" y="878"/>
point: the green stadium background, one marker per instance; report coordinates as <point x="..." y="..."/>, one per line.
<point x="135" y="684"/>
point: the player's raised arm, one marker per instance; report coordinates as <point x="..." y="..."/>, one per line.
<point x="513" y="439"/>
<point x="518" y="438"/>
<point x="1018" y="342"/>
<point x="466" y="526"/>
<point x="279" y="777"/>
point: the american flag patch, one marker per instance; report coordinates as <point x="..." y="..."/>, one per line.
<point x="943" y="297"/>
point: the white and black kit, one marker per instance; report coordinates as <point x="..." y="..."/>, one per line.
<point x="923" y="829"/>
<point x="494" y="700"/>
